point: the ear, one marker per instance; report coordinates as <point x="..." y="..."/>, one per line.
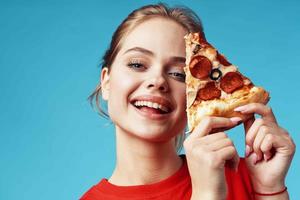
<point x="105" y="83"/>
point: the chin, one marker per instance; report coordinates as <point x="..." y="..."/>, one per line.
<point x="155" y="134"/>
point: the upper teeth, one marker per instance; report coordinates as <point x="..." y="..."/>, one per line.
<point x="151" y="105"/>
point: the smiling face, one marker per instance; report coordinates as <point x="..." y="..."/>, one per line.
<point x="145" y="87"/>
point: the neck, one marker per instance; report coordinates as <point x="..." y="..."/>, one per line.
<point x="141" y="162"/>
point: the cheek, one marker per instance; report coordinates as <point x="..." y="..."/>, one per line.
<point x="182" y="103"/>
<point x="121" y="85"/>
<point x="181" y="96"/>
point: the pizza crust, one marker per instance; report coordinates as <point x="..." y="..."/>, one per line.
<point x="225" y="107"/>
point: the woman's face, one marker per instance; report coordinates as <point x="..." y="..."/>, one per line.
<point x="145" y="87"/>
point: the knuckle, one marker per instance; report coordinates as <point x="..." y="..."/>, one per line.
<point x="291" y="141"/>
<point x="265" y="146"/>
<point x="264" y="129"/>
<point x="269" y="137"/>
<point x="292" y="146"/>
<point x="285" y="132"/>
<point x="255" y="146"/>
<point x="288" y="137"/>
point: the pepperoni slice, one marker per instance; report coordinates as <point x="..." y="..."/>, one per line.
<point x="209" y="92"/>
<point x="231" y="82"/>
<point x="222" y="59"/>
<point x="200" y="67"/>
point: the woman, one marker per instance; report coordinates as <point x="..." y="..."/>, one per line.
<point x="142" y="80"/>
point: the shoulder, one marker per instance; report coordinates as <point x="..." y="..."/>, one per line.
<point x="95" y="192"/>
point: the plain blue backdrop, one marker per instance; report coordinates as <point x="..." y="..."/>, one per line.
<point x="53" y="145"/>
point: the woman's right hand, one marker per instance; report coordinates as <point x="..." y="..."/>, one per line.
<point x="207" y="155"/>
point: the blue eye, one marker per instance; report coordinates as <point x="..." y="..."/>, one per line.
<point x="178" y="76"/>
<point x="136" y="65"/>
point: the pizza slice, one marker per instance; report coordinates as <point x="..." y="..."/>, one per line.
<point x="214" y="86"/>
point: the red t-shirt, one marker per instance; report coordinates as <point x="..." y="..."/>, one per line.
<point x="176" y="187"/>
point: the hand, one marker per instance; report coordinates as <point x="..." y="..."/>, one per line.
<point x="207" y="155"/>
<point x="269" y="149"/>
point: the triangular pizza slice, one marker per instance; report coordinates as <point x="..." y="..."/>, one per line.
<point x="214" y="86"/>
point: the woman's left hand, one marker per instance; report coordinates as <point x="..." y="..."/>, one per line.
<point x="269" y="149"/>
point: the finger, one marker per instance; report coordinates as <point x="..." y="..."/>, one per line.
<point x="266" y="146"/>
<point x="258" y="123"/>
<point x="253" y="130"/>
<point x="208" y="123"/>
<point x="216" y="130"/>
<point x="282" y="144"/>
<point x="209" y="139"/>
<point x="248" y="123"/>
<point x="258" y="141"/>
<point x="220" y="144"/>
<point x="230" y="156"/>
<point x="251" y="160"/>
<point x="259" y="108"/>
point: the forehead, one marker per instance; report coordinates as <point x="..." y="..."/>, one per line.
<point x="159" y="35"/>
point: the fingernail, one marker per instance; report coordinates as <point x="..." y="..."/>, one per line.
<point x="259" y="157"/>
<point x="240" y="108"/>
<point x="265" y="157"/>
<point x="248" y="151"/>
<point x="235" y="119"/>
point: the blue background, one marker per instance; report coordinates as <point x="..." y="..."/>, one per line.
<point x="53" y="145"/>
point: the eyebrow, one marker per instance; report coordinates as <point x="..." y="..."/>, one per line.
<point x="177" y="59"/>
<point x="174" y="59"/>
<point x="140" y="49"/>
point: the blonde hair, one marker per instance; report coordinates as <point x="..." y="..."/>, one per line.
<point x="180" y="14"/>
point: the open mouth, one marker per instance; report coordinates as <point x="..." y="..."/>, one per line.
<point x="151" y="107"/>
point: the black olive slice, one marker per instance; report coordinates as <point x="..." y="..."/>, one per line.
<point x="215" y="74"/>
<point x="196" y="49"/>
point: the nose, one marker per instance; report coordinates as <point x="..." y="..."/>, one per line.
<point x="158" y="82"/>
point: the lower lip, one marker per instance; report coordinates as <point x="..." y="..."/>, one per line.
<point x="150" y="115"/>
